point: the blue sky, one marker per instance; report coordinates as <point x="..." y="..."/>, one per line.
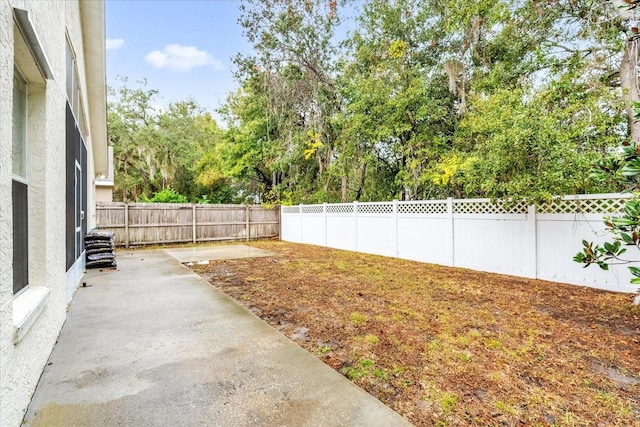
<point x="183" y="48"/>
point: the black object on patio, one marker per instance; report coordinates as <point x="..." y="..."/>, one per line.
<point x="99" y="247"/>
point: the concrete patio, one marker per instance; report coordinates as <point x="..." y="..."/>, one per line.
<point x="153" y="344"/>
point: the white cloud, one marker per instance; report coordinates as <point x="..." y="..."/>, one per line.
<point x="176" y="57"/>
<point x="114" y="43"/>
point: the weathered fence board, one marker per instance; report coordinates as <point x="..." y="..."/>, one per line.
<point x="154" y="223"/>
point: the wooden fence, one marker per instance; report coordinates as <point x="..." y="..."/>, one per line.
<point x="155" y="223"/>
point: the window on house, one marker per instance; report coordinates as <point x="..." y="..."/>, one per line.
<point x="19" y="148"/>
<point x="19" y="187"/>
<point x="76" y="164"/>
<point x="73" y="94"/>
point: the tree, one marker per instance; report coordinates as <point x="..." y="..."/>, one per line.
<point x="131" y="124"/>
<point x="542" y="98"/>
<point x="625" y="166"/>
<point x="157" y="149"/>
<point x="399" y="115"/>
<point x="247" y="154"/>
<point x="289" y="84"/>
<point x="530" y="144"/>
<point x="430" y="99"/>
<point x="629" y="64"/>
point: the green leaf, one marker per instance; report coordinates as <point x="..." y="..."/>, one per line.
<point x="626" y="238"/>
<point x="624" y="222"/>
<point x="635" y="271"/>
<point x="632" y="168"/>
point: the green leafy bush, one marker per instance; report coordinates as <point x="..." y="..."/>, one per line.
<point x="625" y="228"/>
<point x="167" y="195"/>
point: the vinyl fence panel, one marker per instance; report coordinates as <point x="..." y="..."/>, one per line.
<point x="313" y="225"/>
<point x="376" y="233"/>
<point x="424" y="231"/>
<point x="341" y="226"/>
<point x="291" y="231"/>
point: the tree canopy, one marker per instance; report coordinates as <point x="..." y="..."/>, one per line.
<point x="161" y="149"/>
<point x="430" y="99"/>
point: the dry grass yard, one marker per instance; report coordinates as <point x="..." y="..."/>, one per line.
<point x="452" y="347"/>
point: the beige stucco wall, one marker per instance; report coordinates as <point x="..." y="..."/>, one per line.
<point x="21" y="362"/>
<point x="104" y="193"/>
<point x="104" y="184"/>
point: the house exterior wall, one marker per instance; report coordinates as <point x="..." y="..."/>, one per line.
<point x="31" y="320"/>
<point x="104" y="184"/>
<point x="104" y="193"/>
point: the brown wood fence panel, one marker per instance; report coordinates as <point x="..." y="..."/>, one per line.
<point x="153" y="223"/>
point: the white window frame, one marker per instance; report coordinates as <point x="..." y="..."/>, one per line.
<point x="25" y="137"/>
<point x="24" y="140"/>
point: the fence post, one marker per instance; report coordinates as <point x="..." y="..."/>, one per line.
<point x="193" y="222"/>
<point x="451" y="233"/>
<point x="355" y="224"/>
<point x="324" y="213"/>
<point x="247" y="215"/>
<point x="126" y="225"/>
<point x="395" y="228"/>
<point x="532" y="236"/>
<point x="301" y="224"/>
<point x="280" y="222"/>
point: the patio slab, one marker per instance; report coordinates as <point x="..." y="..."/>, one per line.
<point x="154" y="344"/>
<point x="208" y="253"/>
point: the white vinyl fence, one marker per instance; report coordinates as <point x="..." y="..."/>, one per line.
<point x="521" y="240"/>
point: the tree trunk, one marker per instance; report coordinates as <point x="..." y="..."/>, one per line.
<point x="629" y="85"/>
<point x="345" y="192"/>
<point x="363" y="178"/>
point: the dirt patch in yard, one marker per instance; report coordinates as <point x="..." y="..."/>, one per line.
<point x="445" y="346"/>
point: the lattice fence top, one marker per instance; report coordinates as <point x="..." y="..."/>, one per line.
<point x="488" y="207"/>
<point x="375" y="208"/>
<point x="313" y="209"/>
<point x="427" y="207"/>
<point x="340" y="209"/>
<point x="585" y="206"/>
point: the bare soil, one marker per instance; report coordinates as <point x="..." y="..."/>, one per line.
<point x="446" y="346"/>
